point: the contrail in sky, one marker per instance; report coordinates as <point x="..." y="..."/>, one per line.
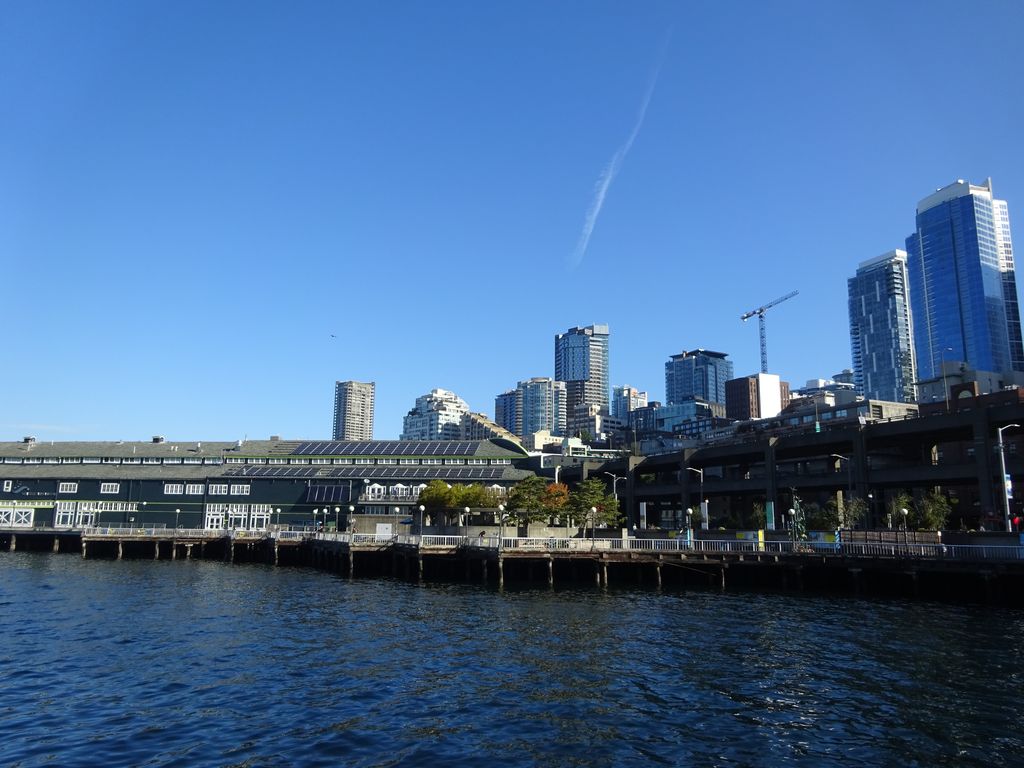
<point x="611" y="170"/>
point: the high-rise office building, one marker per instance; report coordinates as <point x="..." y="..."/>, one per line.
<point x="881" y="338"/>
<point x="581" y="361"/>
<point x="353" y="410"/>
<point x="963" y="288"/>
<point x="437" y="415"/>
<point x="700" y="373"/>
<point x="625" y="400"/>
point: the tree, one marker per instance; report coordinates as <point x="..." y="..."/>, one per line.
<point x="436" y="495"/>
<point x="894" y="508"/>
<point x="590" y="494"/>
<point x="524" y="500"/>
<point x="931" y="512"/>
<point x="554" y="499"/>
<point x="854" y="512"/>
<point x="758" y="517"/>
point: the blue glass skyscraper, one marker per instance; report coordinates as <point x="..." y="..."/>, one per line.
<point x="880" y="329"/>
<point x="699" y="373"/>
<point x="963" y="289"/>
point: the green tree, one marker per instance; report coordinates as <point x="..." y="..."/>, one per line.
<point x="855" y="510"/>
<point x="821" y="518"/>
<point x="590" y="494"/>
<point x="931" y="512"/>
<point x="894" y="508"/>
<point x="437" y="495"/>
<point x="524" y="500"/>
<point x="758" y="517"/>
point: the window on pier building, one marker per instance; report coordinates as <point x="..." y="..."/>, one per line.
<point x="194" y="489"/>
<point x="7" y="485"/>
<point x="218" y="489"/>
<point x="68" y="488"/>
<point x="110" y="487"/>
<point x="239" y="490"/>
<point x="173" y="489"/>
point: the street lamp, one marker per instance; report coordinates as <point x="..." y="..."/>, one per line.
<point x="466" y="520"/>
<point x="501" y="524"/>
<point x="849" y="478"/>
<point x="422" y="509"/>
<point x="351" y="518"/>
<point x="906" y="536"/>
<point x="703" y="504"/>
<point x="315" y="513"/>
<point x="593" y="526"/>
<point x="1006" y="478"/>
<point x="615" y="492"/>
<point x="792" y="527"/>
<point x="689" y="526"/>
<point x="176" y="513"/>
<point x="278" y="511"/>
<point x="337" y="510"/>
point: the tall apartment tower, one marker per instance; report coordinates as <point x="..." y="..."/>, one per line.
<point x="534" y="405"/>
<point x="963" y="288"/>
<point x="625" y="400"/>
<point x="507" y="411"/>
<point x="700" y="373"/>
<point x="353" y="410"/>
<point x="881" y="330"/>
<point x="581" y="361"/>
<point x="436" y="415"/>
<point x="542" y="406"/>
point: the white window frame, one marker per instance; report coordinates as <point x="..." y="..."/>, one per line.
<point x="239" y="490"/>
<point x="173" y="489"/>
<point x="7" y="485"/>
<point x="67" y="488"/>
<point x="218" y="489"/>
<point x="194" y="489"/>
<point x="110" y="487"/>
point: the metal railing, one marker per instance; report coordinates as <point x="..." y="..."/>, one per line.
<point x="162" y="532"/>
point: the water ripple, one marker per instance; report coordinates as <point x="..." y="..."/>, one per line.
<point x="203" y="664"/>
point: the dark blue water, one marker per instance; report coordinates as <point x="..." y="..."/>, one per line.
<point x="191" y="663"/>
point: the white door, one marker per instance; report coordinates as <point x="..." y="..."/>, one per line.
<point x="214" y="521"/>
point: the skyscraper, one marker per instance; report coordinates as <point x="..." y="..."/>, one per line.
<point x="963" y="288"/>
<point x="581" y="361"/>
<point x="534" y="405"/>
<point x="507" y="411"/>
<point x="881" y="329"/>
<point x="437" y="415"/>
<point x="625" y="400"/>
<point x="542" y="406"/>
<point x="700" y="373"/>
<point x="353" y="410"/>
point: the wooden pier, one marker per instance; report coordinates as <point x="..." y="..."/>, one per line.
<point x="975" y="573"/>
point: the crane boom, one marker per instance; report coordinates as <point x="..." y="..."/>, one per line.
<point x="760" y="322"/>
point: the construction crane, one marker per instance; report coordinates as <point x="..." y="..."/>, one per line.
<point x="760" y="321"/>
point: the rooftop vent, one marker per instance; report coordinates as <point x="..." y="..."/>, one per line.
<point x="158" y="438"/>
<point x="275" y="438"/>
<point x="28" y="440"/>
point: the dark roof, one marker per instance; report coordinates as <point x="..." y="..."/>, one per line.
<point x="167" y="472"/>
<point x="494" y="448"/>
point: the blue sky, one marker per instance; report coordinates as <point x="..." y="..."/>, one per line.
<point x="209" y="212"/>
